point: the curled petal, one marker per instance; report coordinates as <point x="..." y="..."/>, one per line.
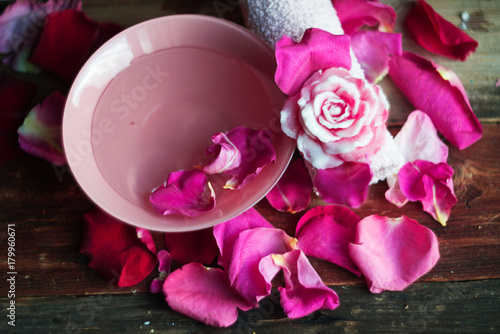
<point x="318" y="50"/>
<point x="346" y="184"/>
<point x="194" y="246"/>
<point x="325" y="232"/>
<point x="292" y="193"/>
<point x="353" y="14"/>
<point x="249" y="249"/>
<point x="227" y="233"/>
<point x="40" y="134"/>
<point x="186" y="193"/>
<point x="393" y="253"/>
<point x="431" y="184"/>
<point x="165" y="260"/>
<point x="204" y="294"/>
<point x="434" y="33"/>
<point x="394" y="194"/>
<point x="304" y="290"/>
<point x="253" y="148"/>
<point x="437" y="92"/>
<point x="373" y="50"/>
<point x="115" y="250"/>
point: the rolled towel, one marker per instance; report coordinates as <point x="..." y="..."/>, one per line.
<point x="272" y="19"/>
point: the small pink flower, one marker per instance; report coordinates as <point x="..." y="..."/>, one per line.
<point x="186" y="193"/>
<point x="436" y="34"/>
<point x="353" y="14"/>
<point x="336" y="118"/>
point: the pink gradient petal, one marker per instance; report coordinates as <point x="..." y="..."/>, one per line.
<point x="186" y="193"/>
<point x="373" y="50"/>
<point x="249" y="249"/>
<point x="165" y="260"/>
<point x="325" y="232"/>
<point x="353" y="14"/>
<point x="227" y="233"/>
<point x="438" y="35"/>
<point x="394" y="194"/>
<point x="431" y="184"/>
<point x="41" y="133"/>
<point x="393" y="253"/>
<point x="115" y="250"/>
<point x="204" y="294"/>
<point x="292" y="193"/>
<point x="304" y="290"/>
<point x="145" y="236"/>
<point x="252" y="148"/>
<point x="318" y="50"/>
<point x="437" y="92"/>
<point x="195" y="246"/>
<point x="346" y="184"/>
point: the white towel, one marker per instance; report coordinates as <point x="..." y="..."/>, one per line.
<point x="272" y="19"/>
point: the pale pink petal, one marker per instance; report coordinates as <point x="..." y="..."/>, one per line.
<point x="317" y="50"/>
<point x="437" y="92"/>
<point x="373" y="50"/>
<point x="436" y="34"/>
<point x="292" y="193"/>
<point x="186" y="193"/>
<point x="343" y="185"/>
<point x="249" y="249"/>
<point x="241" y="153"/>
<point x="393" y="253"/>
<point x="194" y="246"/>
<point x="41" y="133"/>
<point x="164" y="260"/>
<point x="304" y="290"/>
<point x="325" y="232"/>
<point x="431" y="184"/>
<point x="394" y="194"/>
<point x="353" y="14"/>
<point x="227" y="233"/>
<point x="204" y="294"/>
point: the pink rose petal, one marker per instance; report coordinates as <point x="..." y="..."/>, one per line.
<point x="204" y="294"/>
<point x="304" y="290"/>
<point x="186" y="193"/>
<point x="227" y="233"/>
<point x="325" y="232"/>
<point x="436" y="34"/>
<point x="431" y="184"/>
<point x="346" y="184"/>
<point x="353" y="14"/>
<point x="165" y="260"/>
<point x="195" y="246"/>
<point x="439" y="93"/>
<point x="41" y="133"/>
<point x="373" y="50"/>
<point x="115" y="250"/>
<point x="394" y="194"/>
<point x="318" y="50"/>
<point x="292" y="193"/>
<point x="252" y="148"/>
<point x="249" y="249"/>
<point x="393" y="253"/>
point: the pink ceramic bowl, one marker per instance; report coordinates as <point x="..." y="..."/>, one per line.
<point x="149" y="100"/>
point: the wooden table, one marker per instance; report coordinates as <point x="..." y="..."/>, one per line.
<point x="57" y="293"/>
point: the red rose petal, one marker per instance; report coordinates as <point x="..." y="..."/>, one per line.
<point x="195" y="246"/>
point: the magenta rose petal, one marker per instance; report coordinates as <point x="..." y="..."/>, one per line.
<point x="41" y="133"/>
<point x="343" y="185"/>
<point x="304" y="291"/>
<point x="354" y="14"/>
<point x="325" y="232"/>
<point x="292" y="193"/>
<point x="317" y="50"/>
<point x="194" y="246"/>
<point x="431" y="184"/>
<point x="187" y="193"/>
<point x="115" y="250"/>
<point x="164" y="260"/>
<point x="204" y="294"/>
<point x="249" y="249"/>
<point x="227" y="233"/>
<point x="373" y="50"/>
<point x="255" y="148"/>
<point x="393" y="253"/>
<point x="436" y="34"/>
<point x="438" y="92"/>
